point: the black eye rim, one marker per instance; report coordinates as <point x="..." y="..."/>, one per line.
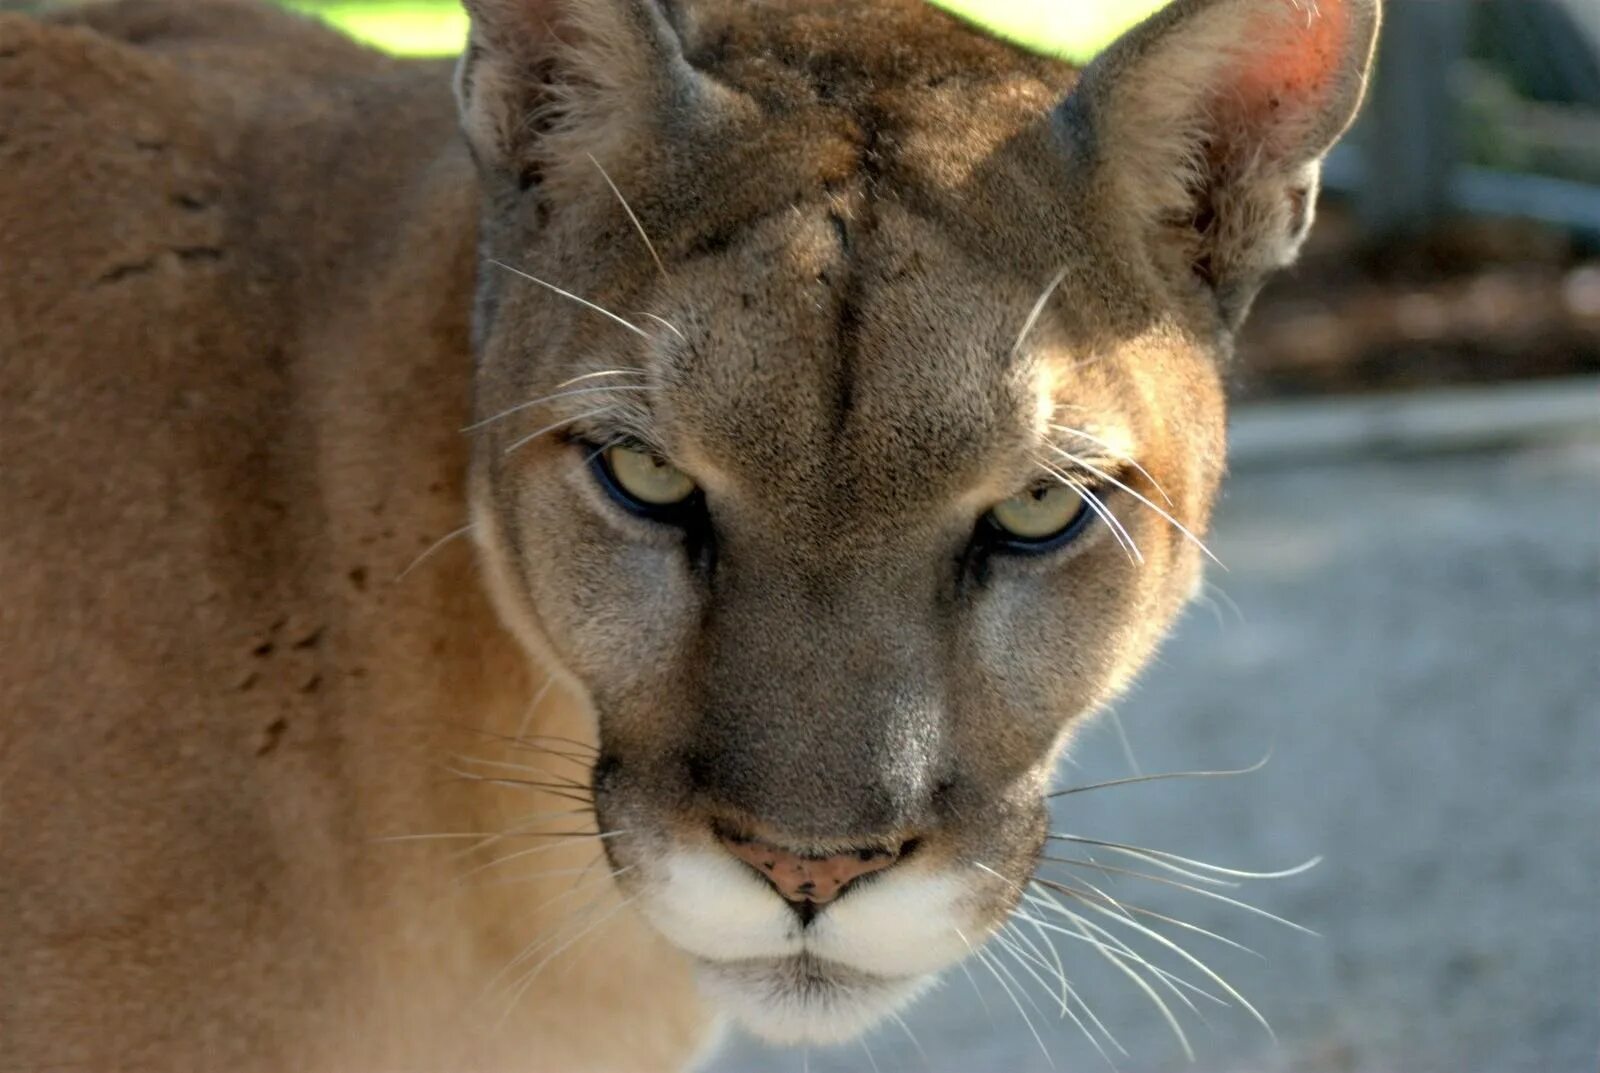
<point x="685" y="513"/>
<point x="690" y="513"/>
<point x="995" y="537"/>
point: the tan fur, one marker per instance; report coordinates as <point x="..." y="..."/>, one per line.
<point x="244" y="265"/>
<point x="217" y="695"/>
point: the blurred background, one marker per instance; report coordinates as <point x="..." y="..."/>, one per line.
<point x="1459" y="238"/>
<point x="1409" y="621"/>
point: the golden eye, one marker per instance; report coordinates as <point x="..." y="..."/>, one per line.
<point x="1039" y="514"/>
<point x="646" y="479"/>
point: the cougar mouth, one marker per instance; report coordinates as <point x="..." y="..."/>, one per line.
<point x="820" y="976"/>
<point x="805" y="998"/>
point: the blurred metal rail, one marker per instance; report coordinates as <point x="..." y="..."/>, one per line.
<point x="1403" y="165"/>
<point x="1267" y="434"/>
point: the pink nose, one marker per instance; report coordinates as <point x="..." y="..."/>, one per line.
<point x="800" y="878"/>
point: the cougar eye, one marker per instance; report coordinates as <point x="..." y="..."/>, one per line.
<point x="1040" y="519"/>
<point x="643" y="482"/>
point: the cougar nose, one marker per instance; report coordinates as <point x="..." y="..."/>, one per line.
<point x="802" y="878"/>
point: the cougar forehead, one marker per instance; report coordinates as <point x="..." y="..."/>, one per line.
<point x="853" y="230"/>
<point x="827" y="381"/>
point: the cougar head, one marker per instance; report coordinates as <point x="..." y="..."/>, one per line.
<point x="848" y="391"/>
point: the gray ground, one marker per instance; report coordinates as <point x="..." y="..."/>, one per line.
<point x="1418" y="639"/>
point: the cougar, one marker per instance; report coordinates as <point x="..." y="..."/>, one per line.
<point x="515" y="570"/>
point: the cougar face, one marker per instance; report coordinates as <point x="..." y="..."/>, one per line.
<point x="848" y="424"/>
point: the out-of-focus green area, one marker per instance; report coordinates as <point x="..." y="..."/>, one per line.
<point x="439" y="27"/>
<point x="1074" y="31"/>
<point x="407" y="27"/>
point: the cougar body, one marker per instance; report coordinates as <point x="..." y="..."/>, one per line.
<point x="353" y="717"/>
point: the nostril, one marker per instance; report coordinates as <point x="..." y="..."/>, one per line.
<point x="810" y="879"/>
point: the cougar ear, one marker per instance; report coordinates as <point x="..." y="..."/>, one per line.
<point x="545" y="81"/>
<point x="1204" y="130"/>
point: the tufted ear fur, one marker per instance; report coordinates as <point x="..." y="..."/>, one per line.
<point x="547" y="81"/>
<point x="1206" y="126"/>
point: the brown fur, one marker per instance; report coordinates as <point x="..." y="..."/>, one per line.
<point x="236" y="352"/>
<point x="225" y="447"/>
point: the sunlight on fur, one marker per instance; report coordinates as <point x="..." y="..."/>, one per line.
<point x="513" y="564"/>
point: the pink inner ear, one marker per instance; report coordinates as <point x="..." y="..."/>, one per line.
<point x="1288" y="77"/>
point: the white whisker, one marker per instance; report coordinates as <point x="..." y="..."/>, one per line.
<point x="533" y="706"/>
<point x="526" y="742"/>
<point x="539" y="943"/>
<point x="668" y="325"/>
<point x="976" y="990"/>
<point x="912" y="1036"/>
<point x="1038" y="308"/>
<point x="1122" y="738"/>
<point x="547" y="847"/>
<point x="1137" y="854"/>
<point x="447" y="836"/>
<point x="528" y="978"/>
<point x="1109" y="941"/>
<point x="1070" y="993"/>
<point x="1166" y="979"/>
<point x="637" y="226"/>
<point x="1121" y="455"/>
<point x="1218" y="596"/>
<point x="516" y="834"/>
<point x="564" y="781"/>
<point x="1109" y="479"/>
<point x="1115" y="960"/>
<point x="432" y="548"/>
<point x="1022" y="960"/>
<point x="1202" y="892"/>
<point x="1066" y="993"/>
<point x="567" y="789"/>
<point x="985" y="960"/>
<point x="1026" y="959"/>
<point x="1130" y="910"/>
<point x="634" y="328"/>
<point x="1157" y="937"/>
<point x="1067" y="990"/>
<point x="569" y="381"/>
<point x="525" y="739"/>
<point x="578" y="919"/>
<point x="1058" y="968"/>
<point x="1092" y="501"/>
<point x="1161" y="858"/>
<point x="552" y="873"/>
<point x="530" y="437"/>
<point x="554" y="396"/>
<point x="871" y="1061"/>
<point x="1132" y="779"/>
